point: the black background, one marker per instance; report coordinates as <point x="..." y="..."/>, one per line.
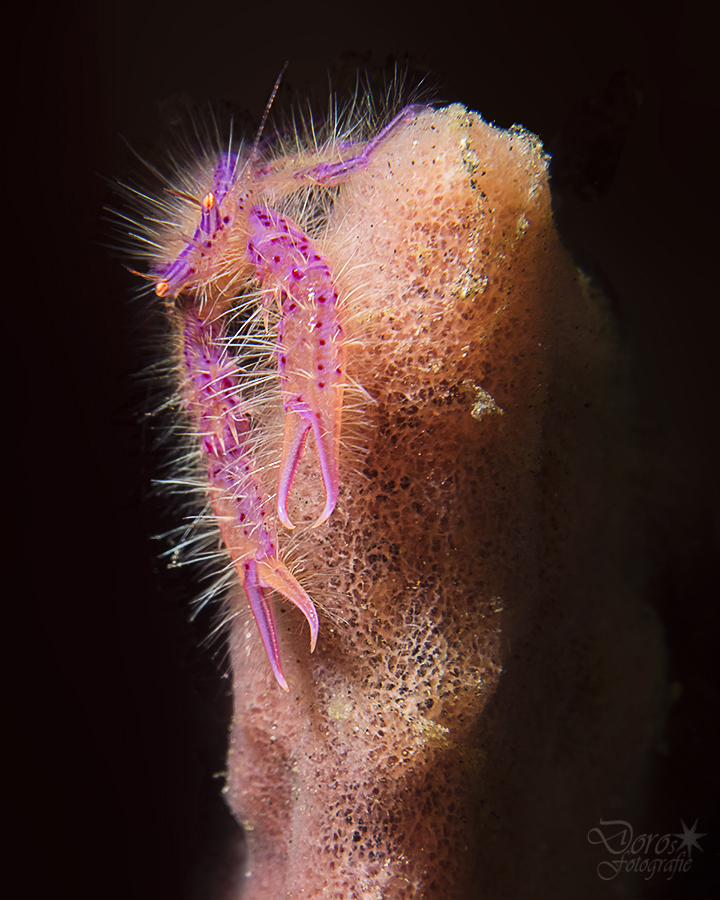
<point x="114" y="714"/>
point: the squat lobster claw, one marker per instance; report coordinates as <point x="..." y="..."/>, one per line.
<point x="297" y="427"/>
<point x="272" y="574"/>
<point x="310" y="348"/>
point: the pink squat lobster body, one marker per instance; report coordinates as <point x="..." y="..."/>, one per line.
<point x="236" y="234"/>
<point x="310" y="347"/>
<point x="212" y="397"/>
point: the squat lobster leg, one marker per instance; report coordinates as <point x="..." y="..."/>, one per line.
<point x="212" y="396"/>
<point x="329" y="174"/>
<point x="310" y="348"/>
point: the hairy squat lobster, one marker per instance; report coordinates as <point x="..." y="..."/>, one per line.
<point x="240" y="236"/>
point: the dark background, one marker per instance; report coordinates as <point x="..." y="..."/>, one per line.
<point x="115" y="715"/>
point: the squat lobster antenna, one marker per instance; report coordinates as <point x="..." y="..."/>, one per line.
<point x="263" y="121"/>
<point x="184" y="196"/>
